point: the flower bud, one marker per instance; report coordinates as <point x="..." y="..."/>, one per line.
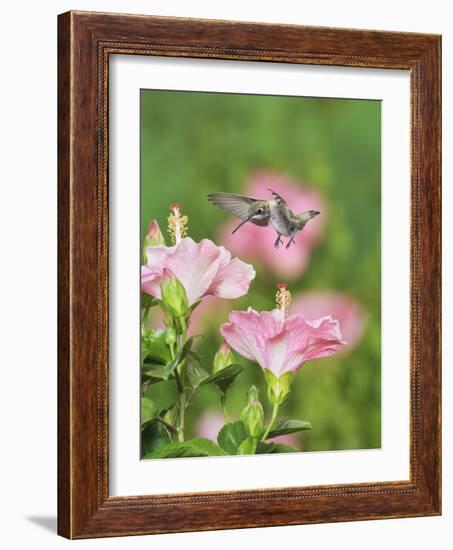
<point x="174" y="297"/>
<point x="170" y="336"/>
<point x="278" y="387"/>
<point x="223" y="358"/>
<point x="252" y="415"/>
<point x="153" y="237"/>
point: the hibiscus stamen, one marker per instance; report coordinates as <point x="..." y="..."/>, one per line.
<point x="177" y="223"/>
<point x="283" y="298"/>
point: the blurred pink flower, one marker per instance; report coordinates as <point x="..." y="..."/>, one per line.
<point x="209" y="425"/>
<point x="252" y="242"/>
<point x="212" y="310"/>
<point x="350" y="315"/>
<point x="281" y="344"/>
<point x="203" y="269"/>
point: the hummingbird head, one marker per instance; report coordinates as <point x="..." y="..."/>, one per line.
<point x="259" y="211"/>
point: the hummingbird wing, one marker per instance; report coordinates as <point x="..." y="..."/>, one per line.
<point x="238" y="205"/>
<point x="280" y="200"/>
<point x="282" y="204"/>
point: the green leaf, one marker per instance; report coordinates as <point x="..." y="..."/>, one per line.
<point x="186" y="348"/>
<point x="147" y="376"/>
<point x="224" y="378"/>
<point x="264" y="448"/>
<point x="146" y="367"/>
<point x="163" y="372"/>
<point x="284" y="427"/>
<point x="155" y="346"/>
<point x="195" y="374"/>
<point x="271" y="448"/>
<point x="231" y="436"/>
<point x="148" y="411"/>
<point x="247" y="447"/>
<point x="280" y="448"/>
<point x="196" y="356"/>
<point x="154" y="436"/>
<point x="192" y="447"/>
<point x="170" y="414"/>
<point x="147" y="301"/>
<point x="164" y="395"/>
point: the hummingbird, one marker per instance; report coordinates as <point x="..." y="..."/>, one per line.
<point x="264" y="212"/>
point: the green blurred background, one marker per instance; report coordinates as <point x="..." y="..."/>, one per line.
<point x="195" y="143"/>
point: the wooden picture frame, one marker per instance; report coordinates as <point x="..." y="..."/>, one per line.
<point x="85" y="42"/>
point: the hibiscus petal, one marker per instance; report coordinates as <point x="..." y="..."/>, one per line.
<point x="239" y="341"/>
<point x="300" y="341"/>
<point x="350" y="314"/>
<point x="248" y="331"/>
<point x="277" y="356"/>
<point x="150" y="281"/>
<point x="197" y="265"/>
<point x="322" y="348"/>
<point x="232" y="279"/>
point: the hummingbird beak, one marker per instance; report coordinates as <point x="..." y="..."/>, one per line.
<point x="314" y="213"/>
<point x="241" y="224"/>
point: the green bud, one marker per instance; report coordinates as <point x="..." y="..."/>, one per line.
<point x="170" y="336"/>
<point x="278" y="387"/>
<point x="174" y="297"/>
<point x="223" y="358"/>
<point x="153" y="237"/>
<point x="252" y="415"/>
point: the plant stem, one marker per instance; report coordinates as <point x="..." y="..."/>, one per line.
<point x="224" y="408"/>
<point x="182" y="397"/>
<point x="191" y="394"/>
<point x="182" y="409"/>
<point x="169" y="427"/>
<point x="180" y="376"/>
<point x="271" y="422"/>
<point x="172" y="351"/>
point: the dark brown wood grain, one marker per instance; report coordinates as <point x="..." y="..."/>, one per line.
<point x="85" y="41"/>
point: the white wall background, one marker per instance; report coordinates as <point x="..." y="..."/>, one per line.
<point x="28" y="217"/>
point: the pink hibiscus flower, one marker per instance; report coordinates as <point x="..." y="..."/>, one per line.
<point x="203" y="269"/>
<point x="256" y="243"/>
<point x="280" y="343"/>
<point x="351" y="316"/>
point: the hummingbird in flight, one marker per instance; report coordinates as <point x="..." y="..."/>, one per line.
<point x="275" y="212"/>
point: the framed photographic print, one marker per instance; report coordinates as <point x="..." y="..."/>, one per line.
<point x="249" y="275"/>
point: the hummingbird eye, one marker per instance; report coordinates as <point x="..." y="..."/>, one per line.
<point x="259" y="211"/>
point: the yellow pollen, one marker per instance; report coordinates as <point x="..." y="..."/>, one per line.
<point x="177" y="224"/>
<point x="283" y="299"/>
